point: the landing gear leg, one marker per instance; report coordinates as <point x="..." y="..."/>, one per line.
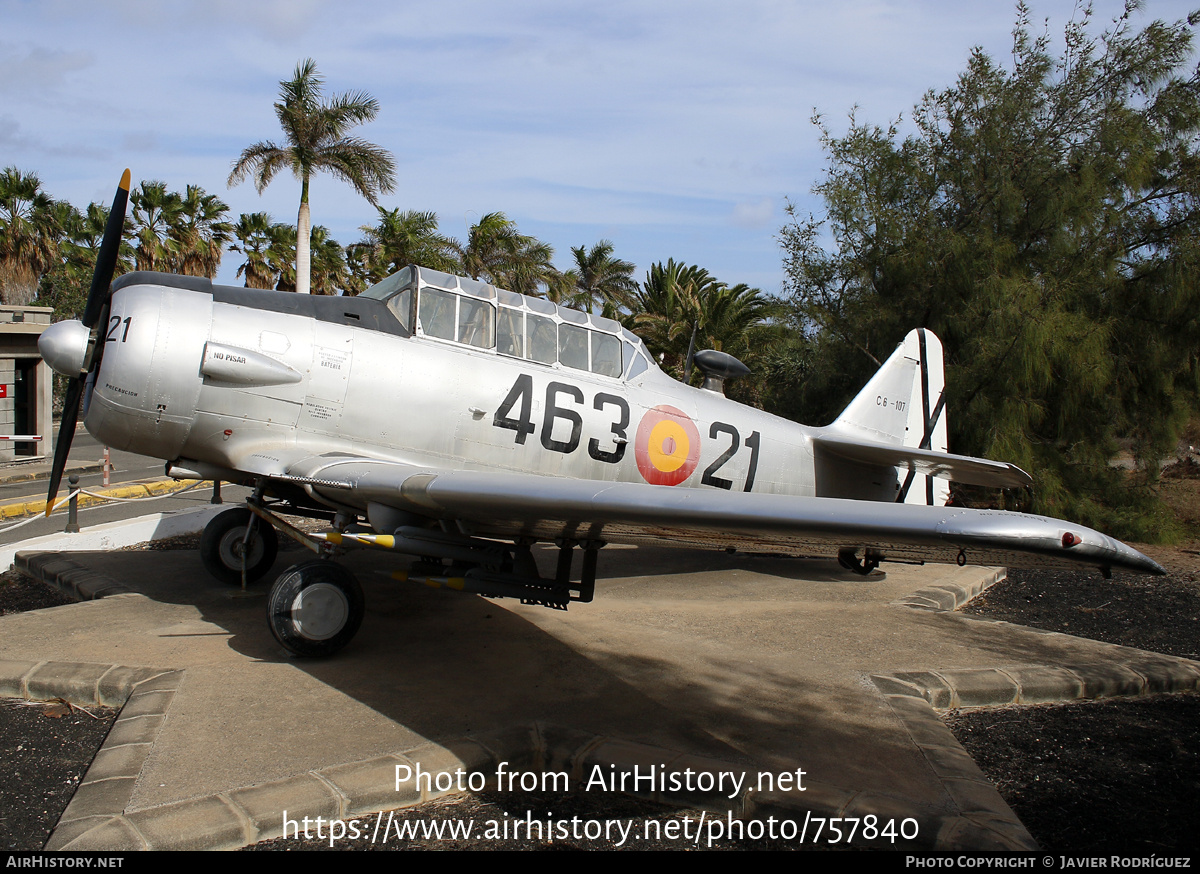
<point x="863" y="566"/>
<point x="230" y="539"/>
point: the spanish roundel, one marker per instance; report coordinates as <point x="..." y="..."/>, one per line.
<point x="667" y="447"/>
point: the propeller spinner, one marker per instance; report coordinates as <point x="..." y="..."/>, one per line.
<point x="71" y="347"/>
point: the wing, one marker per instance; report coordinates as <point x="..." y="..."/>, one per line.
<point x="509" y="505"/>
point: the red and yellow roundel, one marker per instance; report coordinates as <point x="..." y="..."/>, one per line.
<point x="667" y="446"/>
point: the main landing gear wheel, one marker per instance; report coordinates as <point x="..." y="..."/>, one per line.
<point x="315" y="608"/>
<point x="223" y="541"/>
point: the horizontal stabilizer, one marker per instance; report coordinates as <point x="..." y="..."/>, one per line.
<point x="960" y="468"/>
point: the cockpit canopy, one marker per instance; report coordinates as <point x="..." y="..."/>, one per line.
<point x="468" y="312"/>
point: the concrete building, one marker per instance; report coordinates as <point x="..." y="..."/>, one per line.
<point x="26" y="384"/>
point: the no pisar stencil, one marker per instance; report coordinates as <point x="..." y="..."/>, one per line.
<point x="667" y="446"/>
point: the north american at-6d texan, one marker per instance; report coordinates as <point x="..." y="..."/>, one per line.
<point x="446" y="419"/>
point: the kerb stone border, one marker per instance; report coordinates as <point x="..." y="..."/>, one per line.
<point x="143" y="696"/>
<point x="916" y="697"/>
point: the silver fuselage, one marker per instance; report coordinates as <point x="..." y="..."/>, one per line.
<point x="192" y="379"/>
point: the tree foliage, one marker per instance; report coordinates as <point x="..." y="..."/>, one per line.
<point x="499" y="253"/>
<point x="317" y="137"/>
<point x="682" y="306"/>
<point x="30" y="228"/>
<point x="1044" y="220"/>
<point x="403" y="238"/>
<point x="600" y="280"/>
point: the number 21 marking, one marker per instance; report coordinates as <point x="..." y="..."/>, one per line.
<point x="710" y="478"/>
<point x="116" y="323"/>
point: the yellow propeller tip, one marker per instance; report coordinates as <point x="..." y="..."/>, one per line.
<point x="125" y="180"/>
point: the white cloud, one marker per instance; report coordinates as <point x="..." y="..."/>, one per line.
<point x="754" y="214"/>
<point x="673" y="127"/>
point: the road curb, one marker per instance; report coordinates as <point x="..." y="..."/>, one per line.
<point x="109" y="535"/>
<point x="137" y="489"/>
<point x="20" y="477"/>
<point x="917" y="698"/>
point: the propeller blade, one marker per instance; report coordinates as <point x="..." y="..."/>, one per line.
<point x="97" y="302"/>
<point x="66" y="433"/>
<point x="106" y="262"/>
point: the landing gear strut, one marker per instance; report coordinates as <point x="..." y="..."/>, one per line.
<point x="229" y="536"/>
<point x="851" y="562"/>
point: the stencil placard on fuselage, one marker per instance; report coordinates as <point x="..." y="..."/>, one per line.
<point x="327" y="382"/>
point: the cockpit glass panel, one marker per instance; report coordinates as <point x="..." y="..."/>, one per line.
<point x="606" y="354"/>
<point x="476" y="320"/>
<point x="438" y="278"/>
<point x="541" y="339"/>
<point x="637" y="364"/>
<point x="575" y="317"/>
<point x="510" y="333"/>
<point x="509" y="297"/>
<point x="401" y="307"/>
<point x="604" y="324"/>
<point x="436" y="313"/>
<point x="475" y="288"/>
<point x="573" y="347"/>
<point x="382" y="289"/>
<point x="541" y="305"/>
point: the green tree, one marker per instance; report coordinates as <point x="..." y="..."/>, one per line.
<point x="66" y="285"/>
<point x="156" y="214"/>
<point x="281" y="255"/>
<point x="498" y="252"/>
<point x="200" y="233"/>
<point x="329" y="271"/>
<point x="403" y="238"/>
<point x="678" y="302"/>
<point x="253" y="234"/>
<point x="29" y="235"/>
<point x="1044" y="221"/>
<point x="602" y="280"/>
<point x="316" y="133"/>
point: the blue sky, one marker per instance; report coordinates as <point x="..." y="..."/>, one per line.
<point x="675" y="128"/>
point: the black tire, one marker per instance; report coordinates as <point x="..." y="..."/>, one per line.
<point x="221" y="547"/>
<point x="315" y="608"/>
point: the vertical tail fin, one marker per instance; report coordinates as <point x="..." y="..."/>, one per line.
<point x="904" y="404"/>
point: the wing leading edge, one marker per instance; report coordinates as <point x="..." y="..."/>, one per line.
<point x="521" y="505"/>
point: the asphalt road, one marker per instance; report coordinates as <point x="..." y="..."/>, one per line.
<point x="85" y="450"/>
<point x="127" y="467"/>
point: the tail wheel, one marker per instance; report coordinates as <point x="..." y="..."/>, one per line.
<point x="224" y="541"/>
<point x="315" y="608"/>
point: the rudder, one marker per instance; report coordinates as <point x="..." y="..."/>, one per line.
<point x="904" y="404"/>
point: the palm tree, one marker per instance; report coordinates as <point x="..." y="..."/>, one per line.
<point x="329" y="271"/>
<point x="156" y="213"/>
<point x="253" y="233"/>
<point x="603" y="280"/>
<point x="200" y="233"/>
<point x="498" y="252"/>
<point x="678" y="300"/>
<point x="66" y="284"/>
<point x="563" y="289"/>
<point x="29" y="235"/>
<point x="403" y="238"/>
<point x="316" y="140"/>
<point x="281" y="255"/>
<point x="360" y="267"/>
<point x="668" y="308"/>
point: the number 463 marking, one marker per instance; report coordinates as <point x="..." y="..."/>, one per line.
<point x="520" y="398"/>
<point x="522" y="393"/>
